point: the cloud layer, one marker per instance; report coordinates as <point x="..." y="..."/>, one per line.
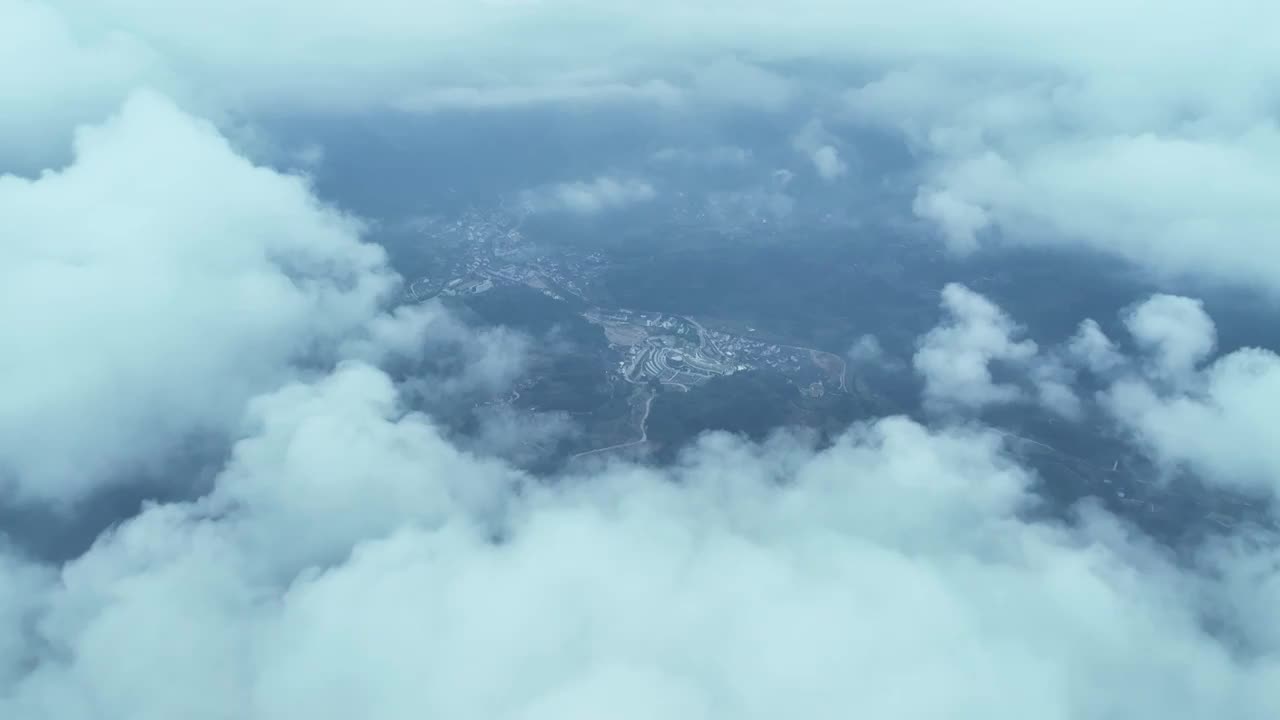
<point x="152" y="287"/>
<point x="159" y="288"/>
<point x="350" y="561"/>
<point x="1029" y="124"/>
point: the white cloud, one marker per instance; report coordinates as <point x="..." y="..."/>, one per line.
<point x="815" y="143"/>
<point x="1092" y="348"/>
<point x="1133" y="162"/>
<point x="1176" y="330"/>
<point x="1219" y="423"/>
<point x="67" y="78"/>
<point x="150" y="288"/>
<point x="346" y="564"/>
<point x="1188" y="410"/>
<point x="519" y="436"/>
<point x="826" y="160"/>
<point x="351" y="561"/>
<point x="1029" y="126"/>
<point x="26" y="585"/>
<point x="955" y="357"/>
<point x="589" y="197"/>
<point x="867" y="351"/>
<point x="958" y="220"/>
<point x="1054" y="383"/>
<point x="483" y="359"/>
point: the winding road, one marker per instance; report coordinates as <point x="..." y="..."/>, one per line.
<point x="644" y="434"/>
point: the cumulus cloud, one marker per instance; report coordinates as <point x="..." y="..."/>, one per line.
<point x="1055" y="388"/>
<point x="68" y="78"/>
<point x="1041" y="126"/>
<point x="1219" y="425"/>
<point x="1214" y="420"/>
<point x="1085" y="146"/>
<point x="1175" y="330"/>
<point x="349" y="560"/>
<point x="150" y="288"/>
<point x="589" y="197"/>
<point x="1091" y="348"/>
<point x="867" y="351"/>
<point x="955" y="358"/>
<point x="1028" y="126"/>
<point x="347" y="542"/>
<point x="815" y="143"/>
<point x="959" y="221"/>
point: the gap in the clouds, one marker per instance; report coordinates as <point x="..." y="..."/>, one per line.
<point x="741" y="233"/>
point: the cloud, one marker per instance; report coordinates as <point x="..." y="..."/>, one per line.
<point x="729" y="82"/>
<point x="589" y="197"/>
<point x="349" y="559"/>
<point x="1055" y="388"/>
<point x="867" y="351"/>
<point x="150" y="288"/>
<point x="959" y="221"/>
<point x="1214" y="419"/>
<point x="68" y="79"/>
<point x="569" y="90"/>
<point x="1025" y="126"/>
<point x="347" y="542"/>
<point x="815" y="143"/>
<point x="1093" y="349"/>
<point x="955" y="358"/>
<point x="520" y="437"/>
<point x="1219" y="427"/>
<point x="1094" y="150"/>
<point x="1176" y="330"/>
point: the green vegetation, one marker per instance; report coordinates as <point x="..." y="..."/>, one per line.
<point x="751" y="404"/>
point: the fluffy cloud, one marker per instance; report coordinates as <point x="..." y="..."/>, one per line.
<point x="1029" y="125"/>
<point x="352" y="561"/>
<point x="815" y="143"/>
<point x="150" y="288"/>
<point x="1095" y="149"/>
<point x="955" y="358"/>
<point x="956" y="361"/>
<point x="438" y="358"/>
<point x="1215" y="421"/>
<point x="958" y="220"/>
<point x="589" y="197"/>
<point x="1175" y="330"/>
<point x="1054" y="382"/>
<point x="867" y="351"/>
<point x="67" y="78"/>
<point x="1220" y="424"/>
<point x="1092" y="348"/>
